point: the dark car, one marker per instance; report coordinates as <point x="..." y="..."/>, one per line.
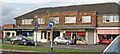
<point x="113" y="47"/>
<point x="21" y="40"/>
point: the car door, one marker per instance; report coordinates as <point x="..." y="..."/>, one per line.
<point x="113" y="47"/>
<point x="15" y="39"/>
<point x="19" y="40"/>
<point x="62" y="40"/>
<point x="59" y="40"/>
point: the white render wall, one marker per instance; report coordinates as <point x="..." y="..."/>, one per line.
<point x="95" y="36"/>
<point x="4" y="33"/>
<point x="38" y="34"/>
<point x="90" y="36"/>
<point x="86" y="37"/>
<point x="61" y="33"/>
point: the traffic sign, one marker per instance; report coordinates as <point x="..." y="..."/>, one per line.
<point x="51" y="24"/>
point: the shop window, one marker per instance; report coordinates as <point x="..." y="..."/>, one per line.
<point x="8" y="33"/>
<point x="29" y="33"/>
<point x="81" y="39"/>
<point x="106" y="39"/>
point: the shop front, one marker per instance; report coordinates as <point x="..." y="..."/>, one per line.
<point x="45" y="35"/>
<point x="107" y="35"/>
<point x="78" y="36"/>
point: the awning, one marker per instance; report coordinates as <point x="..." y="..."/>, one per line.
<point x="68" y="32"/>
<point x="108" y="31"/>
<point x="81" y="33"/>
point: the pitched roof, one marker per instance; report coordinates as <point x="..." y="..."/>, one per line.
<point x="102" y="8"/>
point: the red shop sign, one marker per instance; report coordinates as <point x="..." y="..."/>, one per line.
<point x="81" y="33"/>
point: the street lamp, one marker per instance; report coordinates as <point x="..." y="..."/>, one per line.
<point x="36" y="25"/>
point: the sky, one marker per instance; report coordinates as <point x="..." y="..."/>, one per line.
<point x="9" y="9"/>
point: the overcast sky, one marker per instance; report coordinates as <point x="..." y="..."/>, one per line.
<point x="9" y="9"/>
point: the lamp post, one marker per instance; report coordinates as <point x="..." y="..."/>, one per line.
<point x="52" y="39"/>
<point x="36" y="25"/>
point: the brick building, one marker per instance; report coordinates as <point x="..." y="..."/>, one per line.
<point x="86" y="22"/>
<point x="9" y="30"/>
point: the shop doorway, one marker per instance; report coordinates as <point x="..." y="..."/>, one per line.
<point x="56" y="34"/>
<point x="43" y="35"/>
<point x="48" y="38"/>
<point x="74" y="37"/>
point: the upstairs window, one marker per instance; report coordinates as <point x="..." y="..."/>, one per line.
<point x="86" y="19"/>
<point x="111" y="18"/>
<point x="70" y="19"/>
<point x="41" y="20"/>
<point x="27" y="21"/>
<point x="55" y="19"/>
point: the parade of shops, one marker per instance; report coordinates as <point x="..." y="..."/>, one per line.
<point x="89" y="24"/>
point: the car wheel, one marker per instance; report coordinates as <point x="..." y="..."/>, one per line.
<point x="12" y="42"/>
<point x="67" y="43"/>
<point x="56" y="42"/>
<point x="25" y="43"/>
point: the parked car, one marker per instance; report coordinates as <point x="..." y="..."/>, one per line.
<point x="63" y="40"/>
<point x="21" y="40"/>
<point x="113" y="47"/>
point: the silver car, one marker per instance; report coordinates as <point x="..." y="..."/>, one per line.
<point x="63" y="40"/>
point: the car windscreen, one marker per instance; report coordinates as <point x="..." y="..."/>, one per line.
<point x="114" y="47"/>
<point x="66" y="38"/>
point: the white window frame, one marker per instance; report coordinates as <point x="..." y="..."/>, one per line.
<point x="27" y="21"/>
<point x="111" y="18"/>
<point x="41" y="20"/>
<point x="86" y="19"/>
<point x="55" y="19"/>
<point x="71" y="19"/>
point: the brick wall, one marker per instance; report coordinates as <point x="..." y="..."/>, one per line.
<point x="100" y="22"/>
<point x="8" y="26"/>
<point x="78" y="15"/>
